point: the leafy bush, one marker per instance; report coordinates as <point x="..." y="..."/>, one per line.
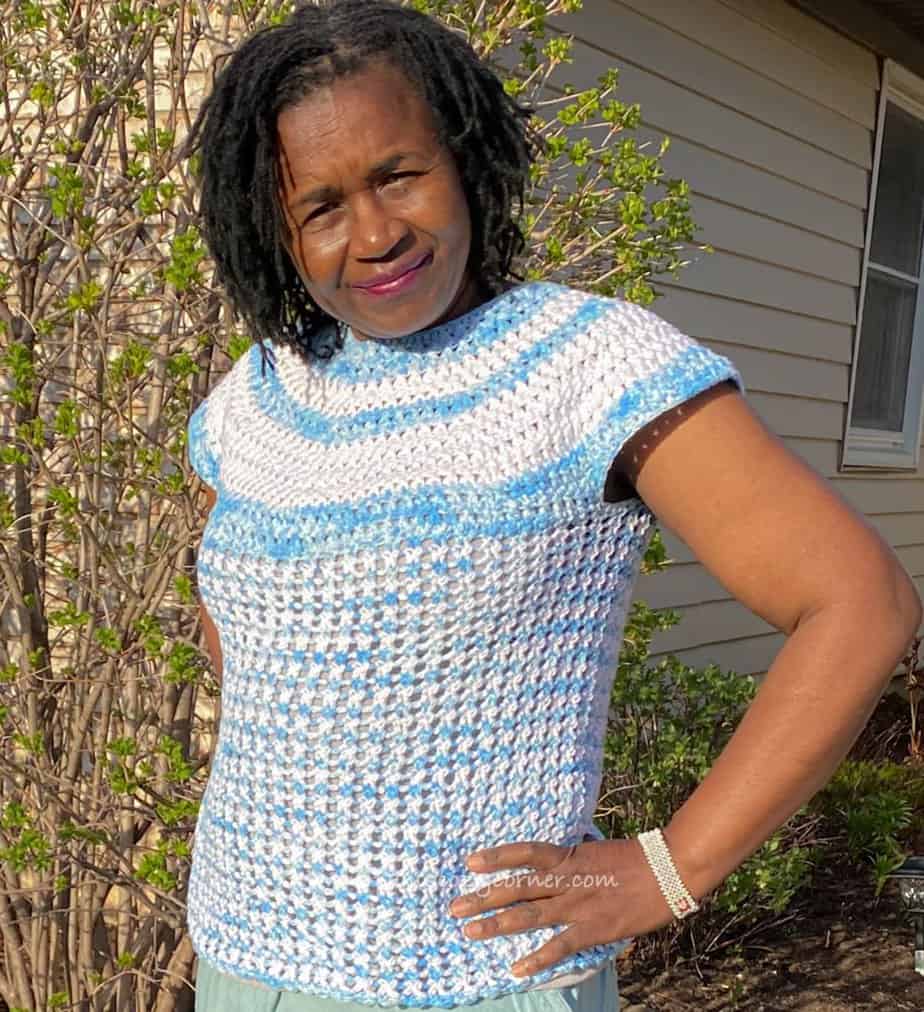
<point x="112" y="329"/>
<point x="874" y="810"/>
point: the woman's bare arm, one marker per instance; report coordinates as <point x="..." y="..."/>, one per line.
<point x="786" y="545"/>
<point x="208" y="626"/>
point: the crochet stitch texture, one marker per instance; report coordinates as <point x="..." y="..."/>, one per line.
<point x="420" y="595"/>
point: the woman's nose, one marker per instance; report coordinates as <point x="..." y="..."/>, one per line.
<point x="374" y="231"/>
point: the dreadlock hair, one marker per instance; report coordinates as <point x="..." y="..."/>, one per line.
<point x="488" y="133"/>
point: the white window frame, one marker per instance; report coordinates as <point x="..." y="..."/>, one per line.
<point x="874" y="448"/>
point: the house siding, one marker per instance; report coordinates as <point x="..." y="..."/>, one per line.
<point x="771" y="116"/>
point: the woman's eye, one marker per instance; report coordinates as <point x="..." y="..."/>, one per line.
<point x="322" y="214"/>
<point x="318" y="212"/>
<point x="394" y="177"/>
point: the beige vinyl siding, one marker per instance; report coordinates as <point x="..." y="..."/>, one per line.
<point x="805" y="33"/>
<point x="747" y="187"/>
<point x="771" y="117"/>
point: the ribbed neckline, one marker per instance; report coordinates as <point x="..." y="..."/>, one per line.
<point x="461" y="335"/>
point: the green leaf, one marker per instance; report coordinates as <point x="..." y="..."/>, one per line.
<point x="67" y="415"/>
<point x="186" y="253"/>
<point x="178" y="769"/>
<point x="153" y="868"/>
<point x="558" y="49"/>
<point x="31" y="15"/>
<point x="183" y="587"/>
<point x="34" y="744"/>
<point x="85" y="297"/>
<point x="42" y="93"/>
<point x="14" y="816"/>
<point x="122" y="747"/>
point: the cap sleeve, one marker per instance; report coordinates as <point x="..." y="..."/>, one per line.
<point x="204" y="433"/>
<point x="636" y="367"/>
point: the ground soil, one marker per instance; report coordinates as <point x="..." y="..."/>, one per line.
<point x="841" y="950"/>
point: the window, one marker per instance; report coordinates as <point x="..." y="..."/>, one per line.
<point x="884" y="412"/>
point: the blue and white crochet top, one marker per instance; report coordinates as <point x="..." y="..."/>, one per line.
<point x="420" y="595"/>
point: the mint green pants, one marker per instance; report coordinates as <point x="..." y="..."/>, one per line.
<point x="219" y="992"/>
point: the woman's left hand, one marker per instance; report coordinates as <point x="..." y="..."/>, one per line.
<point x="602" y="890"/>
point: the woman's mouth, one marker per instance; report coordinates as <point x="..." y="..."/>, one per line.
<point x="392" y="283"/>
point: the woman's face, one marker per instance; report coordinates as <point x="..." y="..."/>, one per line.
<point x="379" y="227"/>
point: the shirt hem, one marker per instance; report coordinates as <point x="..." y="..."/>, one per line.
<point x="265" y="981"/>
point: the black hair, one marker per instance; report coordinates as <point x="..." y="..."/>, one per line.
<point x="488" y="133"/>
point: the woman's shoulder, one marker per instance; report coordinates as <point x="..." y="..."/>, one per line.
<point x="607" y="319"/>
<point x="552" y="303"/>
<point x="573" y="310"/>
<point x="230" y="384"/>
<point x="611" y="340"/>
<point x="558" y="294"/>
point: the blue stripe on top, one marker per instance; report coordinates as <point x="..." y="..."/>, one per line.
<point x="452" y="342"/>
<point x="518" y="506"/>
<point x="275" y="402"/>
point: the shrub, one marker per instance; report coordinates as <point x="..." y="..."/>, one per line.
<point x="112" y="329"/>
<point x="874" y="811"/>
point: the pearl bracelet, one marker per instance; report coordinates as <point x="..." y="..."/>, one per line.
<point x="675" y="892"/>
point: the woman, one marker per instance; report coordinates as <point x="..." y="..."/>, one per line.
<point x="427" y="516"/>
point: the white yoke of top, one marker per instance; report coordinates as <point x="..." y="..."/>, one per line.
<point x="420" y="595"/>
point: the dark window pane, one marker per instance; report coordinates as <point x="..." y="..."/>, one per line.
<point x="885" y="353"/>
<point x="898" y="224"/>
